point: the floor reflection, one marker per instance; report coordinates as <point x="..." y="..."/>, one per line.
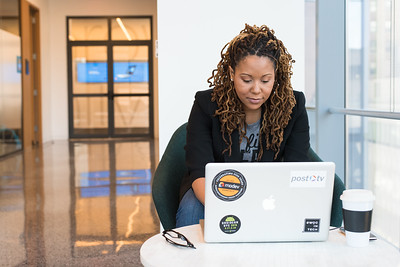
<point x="77" y="203"/>
<point x="34" y="200"/>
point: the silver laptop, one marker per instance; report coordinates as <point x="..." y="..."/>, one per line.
<point x="268" y="202"/>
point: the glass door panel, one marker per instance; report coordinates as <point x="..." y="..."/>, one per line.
<point x="131" y="90"/>
<point x="131" y="115"/>
<point x="131" y="69"/>
<point x="89" y="69"/>
<point x="90" y="115"/>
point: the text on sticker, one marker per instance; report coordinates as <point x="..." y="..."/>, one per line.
<point x="308" y="178"/>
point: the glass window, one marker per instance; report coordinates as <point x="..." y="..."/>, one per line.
<point x="397" y="59"/>
<point x="129" y="29"/>
<point x="310" y="63"/>
<point x="10" y="78"/>
<point x="373" y="144"/>
<point x="310" y="51"/>
<point x="373" y="153"/>
<point x="369" y="55"/>
<point x="87" y="29"/>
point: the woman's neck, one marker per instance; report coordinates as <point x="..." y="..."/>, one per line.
<point x="252" y="116"/>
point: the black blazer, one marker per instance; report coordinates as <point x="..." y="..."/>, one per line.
<point x="204" y="141"/>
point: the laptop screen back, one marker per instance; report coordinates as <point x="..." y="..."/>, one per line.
<point x="268" y="202"/>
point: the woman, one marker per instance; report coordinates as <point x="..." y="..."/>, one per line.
<point x="250" y="114"/>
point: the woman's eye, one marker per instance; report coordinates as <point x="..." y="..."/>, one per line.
<point x="247" y="81"/>
<point x="265" y="81"/>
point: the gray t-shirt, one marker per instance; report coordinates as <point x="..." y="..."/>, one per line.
<point x="249" y="150"/>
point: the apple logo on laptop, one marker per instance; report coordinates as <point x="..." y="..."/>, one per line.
<point x="269" y="203"/>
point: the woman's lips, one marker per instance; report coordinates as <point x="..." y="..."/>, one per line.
<point x="254" y="100"/>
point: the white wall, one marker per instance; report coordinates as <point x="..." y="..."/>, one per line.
<point x="53" y="15"/>
<point x="191" y="35"/>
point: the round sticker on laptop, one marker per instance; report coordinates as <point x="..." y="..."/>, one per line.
<point x="229" y="185"/>
<point x="230" y="224"/>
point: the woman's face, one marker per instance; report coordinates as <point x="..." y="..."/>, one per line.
<point x="253" y="79"/>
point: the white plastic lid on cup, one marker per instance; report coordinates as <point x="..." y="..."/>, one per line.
<point x="357" y="199"/>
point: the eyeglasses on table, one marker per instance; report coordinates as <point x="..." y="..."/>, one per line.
<point x="177" y="239"/>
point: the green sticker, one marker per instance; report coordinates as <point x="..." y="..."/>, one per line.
<point x="230" y="224"/>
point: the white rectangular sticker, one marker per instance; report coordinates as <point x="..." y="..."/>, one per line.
<point x="307" y="178"/>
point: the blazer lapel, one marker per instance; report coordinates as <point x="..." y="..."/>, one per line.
<point x="268" y="155"/>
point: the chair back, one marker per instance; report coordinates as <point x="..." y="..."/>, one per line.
<point x="167" y="178"/>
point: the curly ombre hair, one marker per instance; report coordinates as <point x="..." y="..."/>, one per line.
<point x="262" y="42"/>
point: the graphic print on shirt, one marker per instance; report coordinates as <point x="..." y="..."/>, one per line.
<point x="250" y="151"/>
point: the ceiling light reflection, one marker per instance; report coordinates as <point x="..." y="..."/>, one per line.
<point x="119" y="21"/>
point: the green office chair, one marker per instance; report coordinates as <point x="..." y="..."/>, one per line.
<point x="167" y="178"/>
<point x="171" y="169"/>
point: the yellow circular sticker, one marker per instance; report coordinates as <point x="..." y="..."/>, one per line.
<point x="229" y="185"/>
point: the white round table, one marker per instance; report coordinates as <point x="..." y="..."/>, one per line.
<point x="156" y="251"/>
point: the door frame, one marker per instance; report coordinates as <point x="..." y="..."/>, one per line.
<point x="110" y="94"/>
<point x="31" y="82"/>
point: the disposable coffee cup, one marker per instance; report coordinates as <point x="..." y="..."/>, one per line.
<point x="357" y="214"/>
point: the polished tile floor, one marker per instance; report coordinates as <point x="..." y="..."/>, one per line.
<point x="77" y="204"/>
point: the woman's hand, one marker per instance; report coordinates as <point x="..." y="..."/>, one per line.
<point x="199" y="189"/>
